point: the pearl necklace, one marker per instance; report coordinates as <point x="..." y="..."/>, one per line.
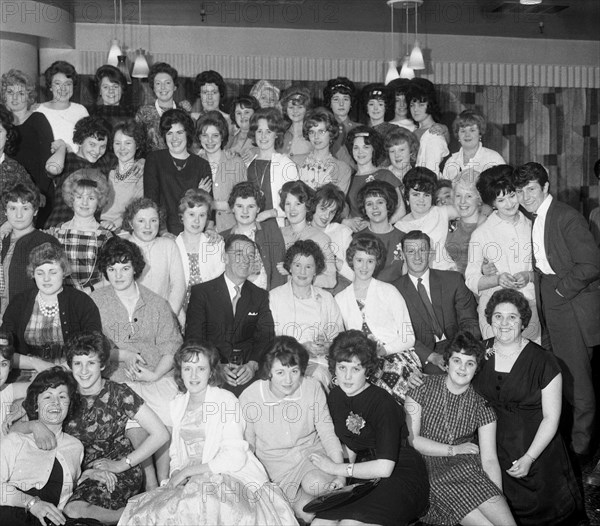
<point x="49" y="311"/>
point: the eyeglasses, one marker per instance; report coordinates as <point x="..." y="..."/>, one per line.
<point x="20" y="94"/>
<point x="68" y="84"/>
<point x="511" y="319"/>
<point x="207" y="92"/>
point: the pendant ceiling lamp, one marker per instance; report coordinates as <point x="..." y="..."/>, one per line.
<point x="392" y="72"/>
<point x="115" y="49"/>
<point x="413" y="59"/>
<point x="140" y="66"/>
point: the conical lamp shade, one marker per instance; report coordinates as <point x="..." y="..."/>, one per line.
<point x="392" y="72"/>
<point x="140" y="66"/>
<point x="406" y="72"/>
<point x="416" y="57"/>
<point x="122" y="65"/>
<point x="113" y="53"/>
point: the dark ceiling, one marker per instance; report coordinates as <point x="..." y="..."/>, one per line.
<point x="560" y="19"/>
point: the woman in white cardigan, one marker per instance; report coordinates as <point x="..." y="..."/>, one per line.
<point x="379" y="310"/>
<point x="214" y="477"/>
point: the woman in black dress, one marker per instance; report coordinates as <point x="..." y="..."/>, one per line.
<point x="371" y="425"/>
<point x="523" y="383"/>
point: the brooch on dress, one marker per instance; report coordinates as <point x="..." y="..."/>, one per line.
<point x="355" y="423"/>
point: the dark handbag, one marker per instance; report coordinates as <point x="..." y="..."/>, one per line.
<point x="340" y="496"/>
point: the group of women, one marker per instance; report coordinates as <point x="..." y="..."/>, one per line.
<point x="114" y="215"/>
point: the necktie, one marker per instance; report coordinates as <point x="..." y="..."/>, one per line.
<point x="236" y="298"/>
<point x="435" y="324"/>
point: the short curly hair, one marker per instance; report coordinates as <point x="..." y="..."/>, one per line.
<point x="275" y="122"/>
<point x="244" y="102"/>
<point x="377" y="189"/>
<point x="161" y="67"/>
<point x="60" y="66"/>
<point x="16" y="77"/>
<point x="350" y="344"/>
<point x="494" y="182"/>
<point x="137" y="131"/>
<point x="465" y="343"/>
<point x="12" y="136"/>
<point x="244" y="190"/>
<point x="194" y="197"/>
<point x="86" y="179"/>
<point x="216" y="119"/>
<point x="177" y="116"/>
<point x="87" y="343"/>
<point x="514" y="297"/>
<point x="288" y="351"/>
<point x="141" y="203"/>
<point x="21" y="193"/>
<point x="112" y="73"/>
<point x="370" y="244"/>
<point x="211" y="76"/>
<point x="371" y="138"/>
<point x="92" y="126"/>
<point x="419" y="179"/>
<point x="318" y="116"/>
<point x="301" y="191"/>
<point x="469" y="118"/>
<point x="341" y="85"/>
<point x="119" y="250"/>
<point x="528" y="172"/>
<point x="189" y="352"/>
<point x="51" y="379"/>
<point x="47" y="253"/>
<point x="401" y="135"/>
<point x="329" y="194"/>
<point x="306" y="248"/>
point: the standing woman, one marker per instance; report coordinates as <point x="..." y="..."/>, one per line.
<point x="212" y="130"/>
<point x="62" y="114"/>
<point x="402" y="116"/>
<point x="295" y="102"/>
<point x="168" y="173"/>
<point x="163" y="81"/>
<point x="469" y="128"/>
<point x="33" y="149"/>
<point x="270" y="170"/>
<point x="110" y="86"/>
<point x="523" y="383"/>
<point x="339" y="95"/>
<point x="377" y="100"/>
<point x="210" y="87"/>
<point x="372" y="426"/>
<point x="242" y="109"/>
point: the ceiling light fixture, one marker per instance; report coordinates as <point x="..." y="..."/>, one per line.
<point x="140" y="66"/>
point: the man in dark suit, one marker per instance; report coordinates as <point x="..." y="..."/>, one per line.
<point x="567" y="265"/>
<point x="233" y="314"/>
<point x="438" y="301"/>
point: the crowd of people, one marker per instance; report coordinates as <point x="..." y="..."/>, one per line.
<point x="266" y="313"/>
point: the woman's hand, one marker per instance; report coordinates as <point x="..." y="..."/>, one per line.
<point x="468" y="448"/>
<point x="205" y="184"/>
<point x="522" y="278"/>
<point x="213" y="235"/>
<point x="248" y="156"/>
<point x="43" y="510"/>
<point x="336" y="483"/>
<point x="355" y="223"/>
<point x="114" y="466"/>
<point x="131" y="358"/>
<point x="42" y="436"/>
<point x="5" y="229"/>
<point x="281" y="269"/>
<point x="266" y="214"/>
<point x="178" y="477"/>
<point x="488" y="268"/>
<point x="107" y="478"/>
<point x="141" y="374"/>
<point x="324" y="463"/>
<point x="415" y="379"/>
<point x="520" y="467"/>
<point x="138" y="168"/>
<point x="109" y="225"/>
<point x="507" y="281"/>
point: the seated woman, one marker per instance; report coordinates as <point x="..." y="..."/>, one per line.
<point x="523" y="384"/>
<point x="282" y="444"/>
<point x="326" y="208"/>
<point x="215" y="478"/>
<point x="419" y="188"/>
<point x="270" y="170"/>
<point x="377" y="100"/>
<point x="503" y="240"/>
<point x="443" y="416"/>
<point x="401" y="114"/>
<point x="320" y="166"/>
<point x="82" y="237"/>
<point x="91" y="135"/>
<point x="469" y="128"/>
<point x="21" y="203"/>
<point x="247" y="201"/>
<point x="42" y="319"/>
<point x="110" y="85"/>
<point x="170" y="172"/>
<point x="36" y="482"/>
<point x="295" y="198"/>
<point x="295" y="102"/>
<point x="372" y="426"/>
<point x="308" y="313"/>
<point x="242" y="109"/>
<point x="377" y="202"/>
<point x="378" y="310"/>
<point x="202" y="258"/>
<point x="163" y="273"/>
<point x="212" y="131"/>
<point x="129" y="145"/>
<point x="11" y="172"/>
